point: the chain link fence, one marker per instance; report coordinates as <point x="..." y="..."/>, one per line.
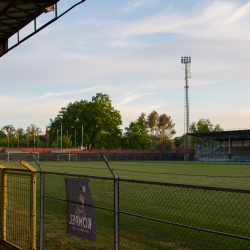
<point x="152" y="215"/>
<point x="97" y="157"/>
<point x="135" y="214"/>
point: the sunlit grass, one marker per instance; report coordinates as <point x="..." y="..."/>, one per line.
<point x="213" y="210"/>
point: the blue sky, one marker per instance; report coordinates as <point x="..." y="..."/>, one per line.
<point x="131" y="50"/>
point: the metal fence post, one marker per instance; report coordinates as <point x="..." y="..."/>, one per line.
<point x="3" y="205"/>
<point x="33" y="212"/>
<point x="116" y="205"/>
<point x="42" y="210"/>
<point x="41" y="203"/>
<point x="116" y="214"/>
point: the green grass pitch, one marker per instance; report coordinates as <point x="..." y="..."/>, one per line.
<point x="218" y="211"/>
<point x="232" y="175"/>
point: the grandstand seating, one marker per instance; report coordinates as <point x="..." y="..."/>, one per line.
<point x="225" y="151"/>
<point x="221" y="153"/>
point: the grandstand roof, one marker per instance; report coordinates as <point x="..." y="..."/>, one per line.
<point x="16" y="14"/>
<point x="224" y="135"/>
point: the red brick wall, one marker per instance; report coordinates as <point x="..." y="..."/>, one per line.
<point x="105" y="151"/>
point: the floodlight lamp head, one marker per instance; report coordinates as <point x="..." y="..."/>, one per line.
<point x="49" y="9"/>
<point x="186" y="59"/>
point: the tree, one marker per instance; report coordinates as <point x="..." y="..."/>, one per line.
<point x="165" y="127"/>
<point x="135" y="136"/>
<point x="179" y="140"/>
<point x="70" y="119"/>
<point x="64" y="142"/>
<point x="168" y="144"/>
<point x="203" y="125"/>
<point x="8" y="129"/>
<point x="21" y="133"/>
<point x="2" y="134"/>
<point x="152" y="121"/>
<point x="34" y="132"/>
<point x="100" y="121"/>
<point x="11" y="128"/>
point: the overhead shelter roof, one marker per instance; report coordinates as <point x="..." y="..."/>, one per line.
<point x="16" y="14"/>
<point x="224" y="135"/>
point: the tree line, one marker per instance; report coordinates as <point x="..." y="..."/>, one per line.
<point x="96" y="124"/>
<point x="31" y="137"/>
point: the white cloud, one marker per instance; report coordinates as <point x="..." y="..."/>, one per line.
<point x="135" y="4"/>
<point x="47" y="95"/>
<point x="220" y="19"/>
<point x="130" y="97"/>
<point x="240" y="13"/>
<point x="126" y="58"/>
<point x="118" y="43"/>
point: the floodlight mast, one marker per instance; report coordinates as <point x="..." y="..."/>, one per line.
<point x="187" y="61"/>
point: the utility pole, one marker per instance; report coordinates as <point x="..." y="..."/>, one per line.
<point x="61" y="137"/>
<point x="75" y="138"/>
<point x="8" y="137"/>
<point x="67" y="140"/>
<point x="37" y="138"/>
<point x="82" y="136"/>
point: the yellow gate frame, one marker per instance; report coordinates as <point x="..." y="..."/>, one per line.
<point x="20" y="168"/>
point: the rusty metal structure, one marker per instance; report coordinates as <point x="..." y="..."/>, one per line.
<point x="16" y="14"/>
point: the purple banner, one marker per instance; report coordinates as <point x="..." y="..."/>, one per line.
<point x="80" y="216"/>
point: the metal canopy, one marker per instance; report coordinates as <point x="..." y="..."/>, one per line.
<point x="224" y="135"/>
<point x="14" y="15"/>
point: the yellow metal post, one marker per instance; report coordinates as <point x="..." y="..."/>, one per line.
<point x="3" y="205"/>
<point x="33" y="212"/>
<point x="25" y="164"/>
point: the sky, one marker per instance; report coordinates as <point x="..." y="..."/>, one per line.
<point x="131" y="50"/>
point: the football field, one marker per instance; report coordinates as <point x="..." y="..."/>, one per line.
<point x="210" y="209"/>
<point x="231" y="175"/>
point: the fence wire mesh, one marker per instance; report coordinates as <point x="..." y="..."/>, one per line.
<point x="218" y="155"/>
<point x="18" y="210"/>
<point x="152" y="215"/>
<point x="96" y="157"/>
<point x="18" y="204"/>
<point x="172" y="217"/>
<point x="55" y="223"/>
